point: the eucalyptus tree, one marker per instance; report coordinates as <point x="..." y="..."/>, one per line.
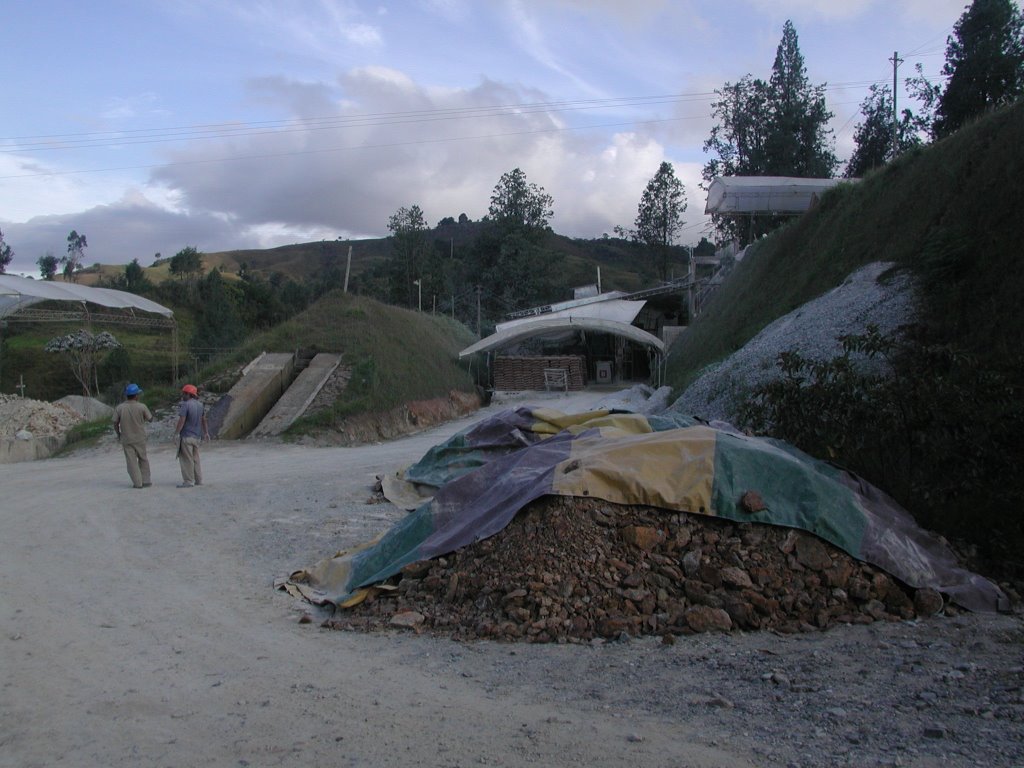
<point x="72" y="260"/>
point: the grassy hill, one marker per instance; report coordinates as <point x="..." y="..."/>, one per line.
<point x="397" y="355"/>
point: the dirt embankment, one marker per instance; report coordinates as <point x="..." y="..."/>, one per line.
<point x="406" y="419"/>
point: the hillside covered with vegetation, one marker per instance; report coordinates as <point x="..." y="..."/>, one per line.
<point x="944" y="438"/>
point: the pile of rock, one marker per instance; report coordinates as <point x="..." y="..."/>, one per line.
<point x="576" y="570"/>
<point x="25" y="418"/>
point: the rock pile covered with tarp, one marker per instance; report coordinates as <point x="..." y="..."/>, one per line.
<point x="576" y="570"/>
<point x="551" y="526"/>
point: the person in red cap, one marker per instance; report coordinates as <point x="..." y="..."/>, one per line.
<point x="130" y="419"/>
<point x="189" y="432"/>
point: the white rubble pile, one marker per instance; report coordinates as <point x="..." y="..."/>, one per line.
<point x="24" y="418"/>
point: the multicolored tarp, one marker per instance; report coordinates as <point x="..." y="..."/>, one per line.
<point x="489" y="472"/>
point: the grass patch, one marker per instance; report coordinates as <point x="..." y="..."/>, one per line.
<point x="86" y="434"/>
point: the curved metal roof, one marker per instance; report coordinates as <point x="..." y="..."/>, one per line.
<point x="19" y="292"/>
<point x="541" y="326"/>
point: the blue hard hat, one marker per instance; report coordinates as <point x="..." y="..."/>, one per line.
<point x="132" y="389"/>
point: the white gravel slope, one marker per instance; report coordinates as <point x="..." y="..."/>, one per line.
<point x="813" y="330"/>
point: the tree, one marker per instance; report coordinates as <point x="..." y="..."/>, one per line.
<point x="135" y="277"/>
<point x="219" y="325"/>
<point x="6" y="254"/>
<point x="409" y="247"/>
<point x="704" y="248"/>
<point x="510" y="259"/>
<point x="740" y="136"/>
<point x="48" y="265"/>
<point x="84" y="352"/>
<point x="799" y="142"/>
<point x="186" y="265"/>
<point x="927" y="94"/>
<point x="660" y="215"/>
<point x="72" y="260"/>
<point x="778" y="128"/>
<point x="984" y="63"/>
<point x="517" y="205"/>
<point x="874" y="136"/>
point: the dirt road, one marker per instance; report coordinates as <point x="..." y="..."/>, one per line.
<point x="140" y="628"/>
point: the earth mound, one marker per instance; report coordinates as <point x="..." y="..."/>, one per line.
<point x="582" y="570"/>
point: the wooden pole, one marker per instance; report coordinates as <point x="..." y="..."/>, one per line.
<point x="348" y="266"/>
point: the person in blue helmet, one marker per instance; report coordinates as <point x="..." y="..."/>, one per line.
<point x="130" y="419"/>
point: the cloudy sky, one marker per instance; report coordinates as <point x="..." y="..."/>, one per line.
<point x="223" y="124"/>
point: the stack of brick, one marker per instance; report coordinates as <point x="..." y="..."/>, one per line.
<point x="515" y="374"/>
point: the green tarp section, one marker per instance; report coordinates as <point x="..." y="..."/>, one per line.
<point x="486" y="474"/>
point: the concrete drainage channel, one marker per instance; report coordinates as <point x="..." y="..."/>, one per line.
<point x="275" y="390"/>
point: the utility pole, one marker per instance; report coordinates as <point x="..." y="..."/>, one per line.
<point x="348" y="266"/>
<point x="478" y="310"/>
<point x="896" y="61"/>
<point x="691" y="275"/>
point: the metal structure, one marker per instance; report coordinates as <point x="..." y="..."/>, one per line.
<point x="20" y="299"/>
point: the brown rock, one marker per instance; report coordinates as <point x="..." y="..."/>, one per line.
<point x="407" y="619"/>
<point x="710" y="574"/>
<point x="642" y="537"/>
<point x="839" y="574"/>
<point x="702" y="618"/>
<point x="417" y="570"/>
<point x="752" y="502"/>
<point x="927" y="602"/>
<point x="736" y="577"/>
<point x="811" y="553"/>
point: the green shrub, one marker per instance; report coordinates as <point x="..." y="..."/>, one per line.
<point x="939" y="432"/>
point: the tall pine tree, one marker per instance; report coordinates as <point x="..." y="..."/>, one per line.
<point x="984" y="63"/>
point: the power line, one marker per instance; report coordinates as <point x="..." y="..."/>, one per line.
<point x="325" y="150"/>
<point x="234" y="129"/>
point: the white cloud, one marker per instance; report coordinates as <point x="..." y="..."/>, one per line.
<point x="825" y="9"/>
<point x="404" y="144"/>
<point x="531" y="38"/>
<point x="47" y="186"/>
